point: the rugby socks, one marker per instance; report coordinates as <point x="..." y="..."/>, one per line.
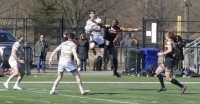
<point x="105" y="52"/>
<point x="174" y="81"/>
<point x="160" y="77"/>
<point x="81" y="88"/>
<point x="115" y="65"/>
<point x="7" y="81"/>
<point x="53" y="89"/>
<point x="16" y="83"/>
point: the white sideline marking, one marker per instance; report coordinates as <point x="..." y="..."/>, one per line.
<point x="10" y="102"/>
<point x="93" y="82"/>
<point x="3" y="89"/>
<point x="83" y="102"/>
<point x="47" y="102"/>
<point x="113" y="101"/>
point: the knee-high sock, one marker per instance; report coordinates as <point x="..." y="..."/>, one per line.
<point x="160" y="77"/>
<point x="105" y="52"/>
<point x="115" y="65"/>
<point x="174" y="81"/>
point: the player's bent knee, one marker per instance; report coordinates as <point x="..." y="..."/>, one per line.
<point x="168" y="79"/>
<point x="77" y="77"/>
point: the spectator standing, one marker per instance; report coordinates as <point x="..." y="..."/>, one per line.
<point x="64" y="38"/>
<point x="82" y="50"/>
<point x="17" y="62"/>
<point x="130" y="40"/>
<point x="179" y="57"/>
<point x="41" y="48"/>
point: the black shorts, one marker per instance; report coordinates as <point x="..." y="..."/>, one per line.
<point x="169" y="62"/>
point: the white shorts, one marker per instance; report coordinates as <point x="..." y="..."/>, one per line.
<point x="69" y="66"/>
<point x="97" y="40"/>
<point x="14" y="63"/>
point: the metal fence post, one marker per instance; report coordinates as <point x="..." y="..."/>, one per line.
<point x="144" y="32"/>
<point x="25" y="29"/>
<point x="27" y="58"/>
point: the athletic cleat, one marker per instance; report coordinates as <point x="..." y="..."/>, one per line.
<point x="17" y="88"/>
<point x="6" y="85"/>
<point x="162" y="89"/>
<point x="44" y="71"/>
<point x="85" y="92"/>
<point x="117" y="75"/>
<point x="183" y="89"/>
<point x="52" y="93"/>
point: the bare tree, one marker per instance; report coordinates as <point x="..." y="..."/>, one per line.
<point x="76" y="11"/>
<point x="163" y="9"/>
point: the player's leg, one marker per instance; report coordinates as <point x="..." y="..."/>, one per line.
<point x="113" y="52"/>
<point x="79" y="82"/>
<point x="105" y="50"/>
<point x="14" y="66"/>
<point x="56" y="82"/>
<point x="159" y="70"/>
<point x="92" y="47"/>
<point x="19" y="78"/>
<point x="169" y="78"/>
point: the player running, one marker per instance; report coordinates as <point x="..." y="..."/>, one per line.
<point x="168" y="64"/>
<point x="17" y="62"/>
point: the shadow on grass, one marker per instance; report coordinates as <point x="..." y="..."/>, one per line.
<point x="186" y="93"/>
<point x="191" y="93"/>
<point x="103" y="93"/>
<point x="37" y="89"/>
<point x="143" y="89"/>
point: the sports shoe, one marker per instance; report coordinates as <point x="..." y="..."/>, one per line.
<point x="85" y="92"/>
<point x="183" y="89"/>
<point x="94" y="52"/>
<point x="117" y="75"/>
<point x="162" y="89"/>
<point x="6" y="85"/>
<point x="52" y="93"/>
<point x="44" y="71"/>
<point x="17" y="88"/>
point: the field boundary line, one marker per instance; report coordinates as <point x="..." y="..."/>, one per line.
<point x="98" y="82"/>
<point x="82" y="97"/>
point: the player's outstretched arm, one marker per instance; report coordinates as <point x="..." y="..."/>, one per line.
<point x="131" y="29"/>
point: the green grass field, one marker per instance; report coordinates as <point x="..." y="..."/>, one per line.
<point x="104" y="90"/>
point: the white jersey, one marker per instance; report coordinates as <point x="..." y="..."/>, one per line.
<point x="67" y="48"/>
<point x="90" y="26"/>
<point x="19" y="48"/>
<point x="65" y="62"/>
